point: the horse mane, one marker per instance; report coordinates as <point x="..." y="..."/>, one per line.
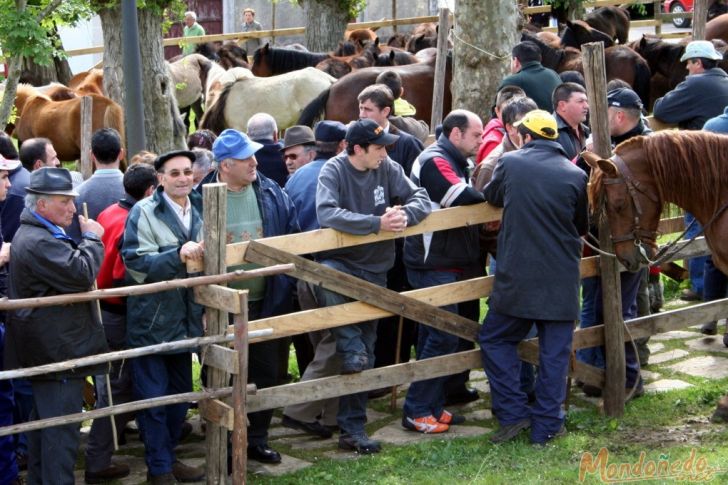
<point x="286" y="60"/>
<point x="689" y="167"/>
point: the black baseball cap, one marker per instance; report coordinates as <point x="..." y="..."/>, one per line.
<point x="624" y="98"/>
<point x="368" y="131"/>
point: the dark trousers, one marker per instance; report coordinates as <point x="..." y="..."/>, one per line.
<point x="499" y="337"/>
<point x="52" y="451"/>
<point x="715" y="282"/>
<point x="156" y="376"/>
<point x="8" y="465"/>
<point x="263" y="371"/>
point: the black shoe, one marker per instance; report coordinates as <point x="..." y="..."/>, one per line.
<point x="710" y="328"/>
<point x="315" y="428"/>
<point x="510" y="431"/>
<point x="559" y="433"/>
<point x="725" y="338"/>
<point x="360" y="443"/>
<point x="463" y="396"/>
<point x="113" y="472"/>
<point x="263" y="454"/>
<point x="638" y="392"/>
<point x="186" y="473"/>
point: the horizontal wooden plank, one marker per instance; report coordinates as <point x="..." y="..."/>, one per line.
<point x="528" y="351"/>
<point x="314" y="390"/>
<point x="671" y="225"/>
<point x="674" y="35"/>
<point x="362" y="290"/>
<point x="644" y="23"/>
<point x="325" y="239"/>
<point x="535" y="10"/>
<point x="221" y="358"/>
<point x="218" y="297"/>
<point x="216" y="411"/>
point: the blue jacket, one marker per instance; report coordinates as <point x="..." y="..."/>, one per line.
<point x="150" y="249"/>
<point x="301" y="188"/>
<point x="279" y="218"/>
<point x="695" y="100"/>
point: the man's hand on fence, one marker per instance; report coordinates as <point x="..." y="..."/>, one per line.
<point x="394" y="219"/>
<point x="90" y="225"/>
<point x="4" y="254"/>
<point x="191" y="250"/>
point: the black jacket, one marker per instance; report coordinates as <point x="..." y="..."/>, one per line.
<point x="44" y="265"/>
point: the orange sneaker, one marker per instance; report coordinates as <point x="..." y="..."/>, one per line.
<point x="449" y="418"/>
<point x="425" y="424"/>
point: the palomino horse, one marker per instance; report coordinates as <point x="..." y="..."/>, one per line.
<point x="243" y="95"/>
<point x="686" y="168"/>
<point x="339" y="103"/>
<point x="60" y="121"/>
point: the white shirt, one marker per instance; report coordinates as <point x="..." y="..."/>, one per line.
<point x="184" y="214"/>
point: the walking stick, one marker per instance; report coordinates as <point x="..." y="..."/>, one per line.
<point x="393" y="399"/>
<point x="106" y="376"/>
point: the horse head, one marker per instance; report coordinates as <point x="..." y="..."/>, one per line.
<point x="261" y="61"/>
<point x="633" y="204"/>
<point x="578" y="32"/>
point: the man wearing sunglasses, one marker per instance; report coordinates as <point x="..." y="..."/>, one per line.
<point x="162" y="232"/>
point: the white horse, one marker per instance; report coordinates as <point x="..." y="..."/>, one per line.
<point x="238" y="94"/>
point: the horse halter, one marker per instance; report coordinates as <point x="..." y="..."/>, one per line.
<point x="637" y="233"/>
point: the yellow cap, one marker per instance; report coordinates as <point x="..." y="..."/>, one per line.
<point x="541" y="123"/>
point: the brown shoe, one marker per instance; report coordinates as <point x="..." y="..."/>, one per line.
<point x="185" y="473"/>
<point x="113" y="472"/>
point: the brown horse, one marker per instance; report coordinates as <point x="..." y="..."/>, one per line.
<point x="646" y="173"/>
<point x="717" y="28"/>
<point x="361" y="36"/>
<point x="613" y="21"/>
<point x="621" y="63"/>
<point x="578" y="32"/>
<point x="271" y="61"/>
<point x="60" y="121"/>
<point x="88" y="82"/>
<point x="339" y="102"/>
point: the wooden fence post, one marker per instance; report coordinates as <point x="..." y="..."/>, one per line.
<point x="438" y="89"/>
<point x="658" y="17"/>
<point x="86" y="114"/>
<point x="215" y="212"/>
<point x="700" y="16"/>
<point x="596" y="83"/>
<point x="240" y="431"/>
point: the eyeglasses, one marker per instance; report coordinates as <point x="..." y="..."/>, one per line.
<point x="176" y="173"/>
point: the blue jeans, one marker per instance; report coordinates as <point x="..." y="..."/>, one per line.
<point x="715" y="282"/>
<point x="353" y="342"/>
<point x="8" y="465"/>
<point x="695" y="265"/>
<point x="427" y="397"/>
<point x="592" y="314"/>
<point x="157" y="376"/>
<point x="499" y="337"/>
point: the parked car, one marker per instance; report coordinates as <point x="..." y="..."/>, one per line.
<point x="679" y="6"/>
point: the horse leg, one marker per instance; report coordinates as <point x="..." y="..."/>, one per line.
<point x="197" y="110"/>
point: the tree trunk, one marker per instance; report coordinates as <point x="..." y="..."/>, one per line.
<point x="11" y="86"/>
<point x="59" y="71"/>
<point x="478" y="68"/>
<point x="162" y="123"/>
<point x="325" y="24"/>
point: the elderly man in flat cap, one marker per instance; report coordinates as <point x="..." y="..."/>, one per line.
<point x="46" y="261"/>
<point x="163" y="232"/>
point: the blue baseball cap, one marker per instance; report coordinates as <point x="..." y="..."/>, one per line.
<point x="234" y="144"/>
<point x="329" y="131"/>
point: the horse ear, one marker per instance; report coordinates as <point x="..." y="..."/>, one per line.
<point x="590" y="158"/>
<point x="608" y="167"/>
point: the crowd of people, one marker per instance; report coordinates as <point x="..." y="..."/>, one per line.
<point x="373" y="176"/>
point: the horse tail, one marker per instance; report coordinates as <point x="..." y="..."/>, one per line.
<point x="642" y="77"/>
<point x="214" y="118"/>
<point x="314" y="109"/>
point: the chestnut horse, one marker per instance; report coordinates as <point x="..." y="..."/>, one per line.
<point x="686" y="168"/>
<point x="339" y="102"/>
<point x="60" y="121"/>
<point x="613" y="21"/>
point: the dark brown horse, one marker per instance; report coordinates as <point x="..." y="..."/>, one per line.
<point x="717" y="28"/>
<point x="271" y="61"/>
<point x="613" y="21"/>
<point x="578" y="32"/>
<point x="339" y="102"/>
<point x="621" y="63"/>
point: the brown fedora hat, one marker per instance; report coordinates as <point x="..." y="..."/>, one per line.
<point x="51" y="181"/>
<point x="298" y="135"/>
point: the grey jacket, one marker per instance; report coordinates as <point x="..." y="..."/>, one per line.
<point x="352" y="201"/>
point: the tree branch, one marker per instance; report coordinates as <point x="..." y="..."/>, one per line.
<point x="48" y="10"/>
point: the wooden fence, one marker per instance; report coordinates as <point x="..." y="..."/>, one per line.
<point x="372" y="302"/>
